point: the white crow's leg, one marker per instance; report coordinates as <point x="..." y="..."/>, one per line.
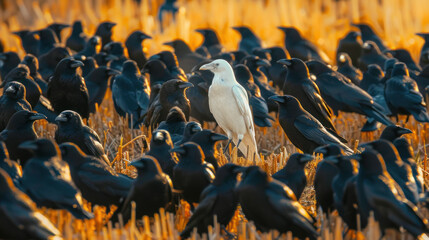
<point x="229" y="142"/>
<point x="240" y="137"/>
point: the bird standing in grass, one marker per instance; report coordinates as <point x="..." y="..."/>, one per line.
<point x="229" y="105"/>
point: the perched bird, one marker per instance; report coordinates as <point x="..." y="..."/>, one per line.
<point x="277" y="72"/>
<point x="49" y="61"/>
<point x="72" y="129"/>
<point x="393" y="132"/>
<point x="8" y="61"/>
<point x="47" y="179"/>
<point x="422" y="80"/>
<point x="372" y="80"/>
<point x="12" y="101"/>
<point x="116" y="50"/>
<point x="324" y="176"/>
<point x="299" y="47"/>
<point x="20" y="129"/>
<point x="172" y="64"/>
<point x="186" y="57"/>
<point x="151" y="181"/>
<point x="47" y="40"/>
<point x="302" y="129"/>
<point x="211" y="41"/>
<point x="21" y="74"/>
<point x="160" y="146"/>
<point x="368" y="34"/>
<point x="371" y="54"/>
<point x="219" y="198"/>
<point x="157" y="71"/>
<point x="67" y="89"/>
<point x="19" y="217"/>
<point x="96" y="180"/>
<point x="29" y="41"/>
<point x="377" y="192"/>
<point x="388" y="69"/>
<point x="346" y="68"/>
<point x="403" y="55"/>
<point x="58" y="28"/>
<point x="229" y="105"/>
<point x="406" y="153"/>
<point x="172" y="93"/>
<point x="257" y="102"/>
<point x="104" y="31"/>
<point x="249" y="40"/>
<point x="192" y="174"/>
<point x="342" y="95"/>
<point x="133" y="43"/>
<point x="299" y="84"/>
<point x="77" y="39"/>
<point x="174" y="123"/>
<point x="400" y="171"/>
<point x="199" y="99"/>
<point x="190" y="130"/>
<point x="352" y="45"/>
<point x="207" y="140"/>
<point x="12" y="168"/>
<point x="33" y="65"/>
<point x="282" y="211"/>
<point x="403" y="96"/>
<point x="91" y="48"/>
<point x="97" y="83"/>
<point x="293" y="173"/>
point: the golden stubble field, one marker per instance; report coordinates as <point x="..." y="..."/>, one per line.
<point x="323" y="22"/>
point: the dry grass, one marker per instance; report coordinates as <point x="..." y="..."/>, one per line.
<point x="324" y="22"/>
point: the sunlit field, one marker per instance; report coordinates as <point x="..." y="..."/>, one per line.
<point x="322" y="22"/>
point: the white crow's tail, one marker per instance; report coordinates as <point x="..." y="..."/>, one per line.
<point x="249" y="142"/>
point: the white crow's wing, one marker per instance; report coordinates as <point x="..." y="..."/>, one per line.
<point x="242" y="101"/>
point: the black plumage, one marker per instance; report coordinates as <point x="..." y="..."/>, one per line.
<point x="152" y="182"/>
<point x="133" y="43"/>
<point x="198" y="97"/>
<point x="346" y="68"/>
<point x="377" y="192"/>
<point x="58" y="28"/>
<point x="257" y="103"/>
<point x="104" y="31"/>
<point x="96" y="180"/>
<point x="277" y="72"/>
<point x="186" y="57"/>
<point x="368" y="34"/>
<point x="219" y="198"/>
<point x="89" y="65"/>
<point x="8" y="61"/>
<point x="72" y="129"/>
<point x="12" y="168"/>
<point x="391" y="133"/>
<point x="47" y="40"/>
<point x="47" y="179"/>
<point x="249" y="40"/>
<point x="77" y="39"/>
<point x="91" y="48"/>
<point x="403" y="96"/>
<point x="342" y="95"/>
<point x="97" y="82"/>
<point x="49" y="61"/>
<point x="281" y="210"/>
<point x="157" y="71"/>
<point x="19" y="217"/>
<point x="388" y="68"/>
<point x="29" y="41"/>
<point x="172" y="93"/>
<point x="351" y="44"/>
<point x="207" y="140"/>
<point x="174" y="123"/>
<point x="299" y="47"/>
<point x="21" y="74"/>
<point x="160" y="146"/>
<point x="130" y="93"/>
<point x="168" y="7"/>
<point x="172" y="64"/>
<point x="12" y="101"/>
<point x="422" y="80"/>
<point x="67" y="89"/>
<point x="189" y="131"/>
<point x="116" y="50"/>
<point x="210" y="41"/>
<point x="192" y="174"/>
<point x="403" y="55"/>
<point x="371" y="54"/>
<point x="299" y="84"/>
<point x="33" y="64"/>
<point x="20" y="129"/>
<point x="302" y="129"/>
<point x="293" y="173"/>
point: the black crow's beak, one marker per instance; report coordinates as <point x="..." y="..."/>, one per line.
<point x="404" y="131"/>
<point x="356" y="157"/>
<point x="137" y="164"/>
<point x="286" y="62"/>
<point x="10" y="89"/>
<point x="144" y="36"/>
<point x="277" y="98"/>
<point x="186" y="85"/>
<point x="306" y="158"/>
<point x="156" y="56"/>
<point x="37" y="116"/>
<point x="321" y="149"/>
<point x="263" y="63"/>
<point x="200" y="31"/>
<point x="168" y="44"/>
<point x="3" y="57"/>
<point x="178" y="149"/>
<point x="112" y="72"/>
<point x="111" y="25"/>
<point x="61" y="118"/>
<point x="218" y="137"/>
<point x="30" y="145"/>
<point x="76" y="64"/>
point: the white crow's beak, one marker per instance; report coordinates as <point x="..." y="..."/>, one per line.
<point x="206" y="67"/>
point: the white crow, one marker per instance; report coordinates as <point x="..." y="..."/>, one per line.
<point x="229" y="105"/>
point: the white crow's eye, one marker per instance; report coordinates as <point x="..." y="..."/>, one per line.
<point x="217" y="64"/>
